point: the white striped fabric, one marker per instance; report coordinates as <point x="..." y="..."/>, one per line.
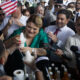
<point x="9" y="6"/>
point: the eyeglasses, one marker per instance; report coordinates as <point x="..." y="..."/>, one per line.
<point x="2" y="14"/>
<point x="58" y="6"/>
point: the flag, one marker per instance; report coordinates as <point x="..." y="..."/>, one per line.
<point x="9" y="6"/>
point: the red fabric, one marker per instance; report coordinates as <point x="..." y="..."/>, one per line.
<point x="9" y="6"/>
<point x="56" y="32"/>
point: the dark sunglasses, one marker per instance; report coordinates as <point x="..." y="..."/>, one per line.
<point x="58" y="5"/>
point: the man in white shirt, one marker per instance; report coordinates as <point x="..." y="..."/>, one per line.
<point x="73" y="41"/>
<point x="63" y="31"/>
<point x="11" y="23"/>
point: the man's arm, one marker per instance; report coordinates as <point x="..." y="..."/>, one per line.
<point x="39" y="75"/>
<point x="5" y="78"/>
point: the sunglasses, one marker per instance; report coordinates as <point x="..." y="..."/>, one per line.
<point x="58" y="5"/>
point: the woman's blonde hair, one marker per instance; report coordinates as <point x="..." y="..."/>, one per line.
<point x="37" y="20"/>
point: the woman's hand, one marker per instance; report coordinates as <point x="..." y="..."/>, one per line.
<point x="24" y="49"/>
<point x="52" y="36"/>
<point x="16" y="40"/>
<point x="16" y="21"/>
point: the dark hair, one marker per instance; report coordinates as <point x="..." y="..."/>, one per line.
<point x="2" y="48"/>
<point x="25" y="10"/>
<point x="65" y="12"/>
<point x="27" y="4"/>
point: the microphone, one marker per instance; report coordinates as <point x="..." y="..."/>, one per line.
<point x="75" y="49"/>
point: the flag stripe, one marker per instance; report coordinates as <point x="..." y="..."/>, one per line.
<point x="9" y="6"/>
<point x="10" y="9"/>
<point x="5" y="3"/>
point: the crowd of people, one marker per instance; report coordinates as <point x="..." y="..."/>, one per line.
<point x="50" y="33"/>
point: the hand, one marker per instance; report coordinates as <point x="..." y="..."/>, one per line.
<point x="5" y="78"/>
<point x="24" y="49"/>
<point x="2" y="37"/>
<point x="59" y="52"/>
<point x="10" y="22"/>
<point x="16" y="40"/>
<point x="53" y="37"/>
<point x="16" y="21"/>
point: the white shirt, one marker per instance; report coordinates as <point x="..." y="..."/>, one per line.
<point x="13" y="27"/>
<point x="72" y="41"/>
<point x="62" y="35"/>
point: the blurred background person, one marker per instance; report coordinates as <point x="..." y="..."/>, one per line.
<point x="72" y="6"/>
<point x="72" y="41"/>
<point x="26" y="12"/>
<point x="13" y="22"/>
<point x="42" y="2"/>
<point x="3" y="59"/>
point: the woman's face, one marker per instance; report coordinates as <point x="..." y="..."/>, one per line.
<point x="31" y="30"/>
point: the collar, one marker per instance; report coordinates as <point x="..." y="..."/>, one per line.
<point x="62" y="28"/>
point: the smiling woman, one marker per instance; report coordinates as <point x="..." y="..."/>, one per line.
<point x="34" y="35"/>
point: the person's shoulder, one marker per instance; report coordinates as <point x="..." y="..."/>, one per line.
<point x="50" y="27"/>
<point x="69" y="29"/>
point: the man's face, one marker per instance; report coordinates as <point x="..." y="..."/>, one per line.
<point x="31" y="30"/>
<point x="40" y="10"/>
<point x="27" y="13"/>
<point x="43" y="4"/>
<point x="61" y="20"/>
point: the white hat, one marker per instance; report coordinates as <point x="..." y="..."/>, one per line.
<point x="42" y="0"/>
